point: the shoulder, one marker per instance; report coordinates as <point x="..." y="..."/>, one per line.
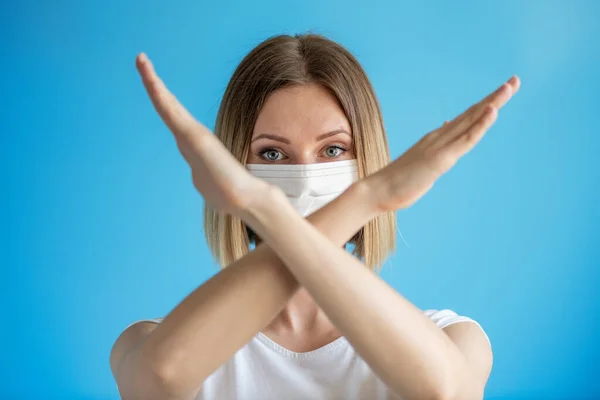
<point x="463" y="331"/>
<point x="129" y="338"/>
<point x="470" y="338"/>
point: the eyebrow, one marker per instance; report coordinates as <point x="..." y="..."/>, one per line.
<point x="287" y="141"/>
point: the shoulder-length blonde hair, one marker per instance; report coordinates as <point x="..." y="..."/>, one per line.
<point x="283" y="61"/>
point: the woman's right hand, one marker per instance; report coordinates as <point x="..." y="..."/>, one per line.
<point x="221" y="179"/>
<point x="405" y="180"/>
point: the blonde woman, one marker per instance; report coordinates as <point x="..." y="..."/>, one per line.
<point x="299" y="166"/>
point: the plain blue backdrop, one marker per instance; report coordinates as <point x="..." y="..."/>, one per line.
<point x="101" y="225"/>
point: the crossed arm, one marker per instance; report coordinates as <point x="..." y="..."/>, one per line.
<point x="224" y="313"/>
<point x="405" y="348"/>
<point x="415" y="358"/>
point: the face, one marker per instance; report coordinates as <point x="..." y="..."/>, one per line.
<point x="301" y="125"/>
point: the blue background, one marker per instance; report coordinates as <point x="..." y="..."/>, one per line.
<point x="101" y="225"/>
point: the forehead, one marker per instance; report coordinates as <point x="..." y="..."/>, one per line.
<point x="308" y="109"/>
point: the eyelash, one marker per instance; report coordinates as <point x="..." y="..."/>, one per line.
<point x="262" y="152"/>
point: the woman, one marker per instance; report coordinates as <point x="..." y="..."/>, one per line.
<point x="299" y="134"/>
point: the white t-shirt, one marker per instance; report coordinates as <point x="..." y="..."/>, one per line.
<point x="264" y="370"/>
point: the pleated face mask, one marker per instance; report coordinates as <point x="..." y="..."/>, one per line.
<point x="308" y="187"/>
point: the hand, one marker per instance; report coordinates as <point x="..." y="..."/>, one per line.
<point x="404" y="181"/>
<point x="225" y="184"/>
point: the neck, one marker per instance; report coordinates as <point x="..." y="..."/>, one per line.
<point x="301" y="314"/>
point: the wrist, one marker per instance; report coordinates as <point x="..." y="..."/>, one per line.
<point x="267" y="205"/>
<point x="365" y="192"/>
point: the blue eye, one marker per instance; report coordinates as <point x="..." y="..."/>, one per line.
<point x="267" y="154"/>
<point x="335" y="154"/>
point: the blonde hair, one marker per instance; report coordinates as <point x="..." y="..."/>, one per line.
<point x="283" y="61"/>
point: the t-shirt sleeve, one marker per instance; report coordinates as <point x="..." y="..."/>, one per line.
<point x="445" y="318"/>
<point x="154" y="320"/>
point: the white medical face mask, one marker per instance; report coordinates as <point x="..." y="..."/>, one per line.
<point x="309" y="186"/>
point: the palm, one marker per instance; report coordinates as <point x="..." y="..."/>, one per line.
<point x="408" y="178"/>
<point x="225" y="184"/>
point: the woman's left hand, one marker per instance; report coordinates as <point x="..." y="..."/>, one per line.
<point x="405" y="180"/>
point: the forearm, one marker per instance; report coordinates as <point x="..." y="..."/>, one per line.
<point x="407" y="350"/>
<point x="223" y="314"/>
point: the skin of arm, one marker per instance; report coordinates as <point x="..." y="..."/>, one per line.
<point x="181" y="352"/>
<point x="406" y="349"/>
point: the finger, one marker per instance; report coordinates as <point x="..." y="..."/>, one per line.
<point x="515" y="83"/>
<point x="463" y="143"/>
<point x="500" y="96"/>
<point x="497" y="99"/>
<point x="174" y="115"/>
